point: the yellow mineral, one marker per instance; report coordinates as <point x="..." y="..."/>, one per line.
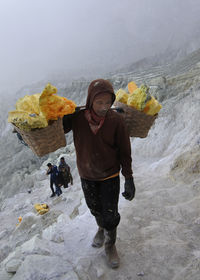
<point x="152" y="107"/>
<point x="26" y="121"/>
<point x="34" y="111"/>
<point x="29" y="103"/>
<point x="19" y="220"/>
<point x="137" y="99"/>
<point x="41" y="208"/>
<point x="122" y="96"/>
<point x="131" y="87"/>
<point x="54" y="106"/>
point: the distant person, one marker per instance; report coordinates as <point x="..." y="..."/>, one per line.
<point x="53" y="171"/>
<point x="103" y="149"/>
<point x="65" y="176"/>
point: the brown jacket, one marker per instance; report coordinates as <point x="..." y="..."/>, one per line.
<point x="104" y="154"/>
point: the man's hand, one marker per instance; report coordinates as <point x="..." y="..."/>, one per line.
<point x="129" y="189"/>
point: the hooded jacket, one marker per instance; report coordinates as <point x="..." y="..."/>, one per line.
<point x="53" y="173"/>
<point x="104" y="154"/>
<point x="97" y="87"/>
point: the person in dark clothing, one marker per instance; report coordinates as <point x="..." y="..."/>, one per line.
<point x="103" y="149"/>
<point x="65" y="176"/>
<point x="53" y="171"/>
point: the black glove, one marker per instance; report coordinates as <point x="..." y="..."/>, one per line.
<point x="129" y="189"/>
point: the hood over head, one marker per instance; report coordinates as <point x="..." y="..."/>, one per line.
<point x="97" y="87"/>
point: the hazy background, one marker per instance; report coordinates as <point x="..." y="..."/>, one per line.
<point x="43" y="37"/>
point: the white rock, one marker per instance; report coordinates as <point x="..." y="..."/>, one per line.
<point x="71" y="275"/>
<point x="53" y="233"/>
<point x="36" y="246"/>
<point x="3" y="234"/>
<point x="28" y="220"/>
<point x="4" y="275"/>
<point x="13" y="265"/>
<point x="100" y="271"/>
<point x="42" y="267"/>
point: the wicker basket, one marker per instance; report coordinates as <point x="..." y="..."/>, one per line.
<point x="43" y="141"/>
<point x="138" y="123"/>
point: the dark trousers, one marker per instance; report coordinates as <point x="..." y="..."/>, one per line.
<point x="58" y="190"/>
<point x="102" y="199"/>
<point x="65" y="185"/>
<point x="63" y="179"/>
<point x="51" y="186"/>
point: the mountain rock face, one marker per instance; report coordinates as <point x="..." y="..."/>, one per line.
<point x="158" y="236"/>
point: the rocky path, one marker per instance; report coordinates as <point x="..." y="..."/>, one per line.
<point x="158" y="236"/>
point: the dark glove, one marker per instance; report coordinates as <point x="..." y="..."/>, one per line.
<point x="129" y="189"/>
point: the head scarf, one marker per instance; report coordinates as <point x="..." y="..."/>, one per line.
<point x="95" y="88"/>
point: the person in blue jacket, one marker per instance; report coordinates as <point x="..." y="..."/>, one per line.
<point x="53" y="171"/>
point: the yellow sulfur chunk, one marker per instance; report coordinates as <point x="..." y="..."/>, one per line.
<point x="34" y="111"/>
<point x="131" y="87"/>
<point x="53" y="106"/>
<point x="152" y="107"/>
<point x="27" y="115"/>
<point x="38" y="206"/>
<point x="137" y="99"/>
<point x="122" y="96"/>
<point x="49" y="90"/>
<point x="41" y="208"/>
<point x="29" y="103"/>
<point x="26" y="121"/>
<point x="19" y="219"/>
<point x="45" y="206"/>
<point x="43" y="211"/>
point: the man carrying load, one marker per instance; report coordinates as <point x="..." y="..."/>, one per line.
<point x="102" y="149"/>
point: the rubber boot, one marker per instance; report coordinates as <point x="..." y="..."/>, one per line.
<point x="98" y="239"/>
<point x="110" y="248"/>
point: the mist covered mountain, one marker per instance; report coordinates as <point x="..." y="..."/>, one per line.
<point x="159" y="233"/>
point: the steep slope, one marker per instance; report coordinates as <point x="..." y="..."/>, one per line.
<point x="158" y="237"/>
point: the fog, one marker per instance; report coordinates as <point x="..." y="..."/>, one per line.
<point x="39" y="38"/>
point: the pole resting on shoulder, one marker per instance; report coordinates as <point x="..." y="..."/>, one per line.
<point x="118" y="109"/>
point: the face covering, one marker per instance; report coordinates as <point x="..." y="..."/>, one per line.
<point x="95" y="122"/>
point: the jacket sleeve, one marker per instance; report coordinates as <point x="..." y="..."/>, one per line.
<point x="49" y="172"/>
<point x="67" y="123"/>
<point x="124" y="149"/>
<point x="55" y="170"/>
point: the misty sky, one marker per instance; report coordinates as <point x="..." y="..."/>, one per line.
<point x="43" y="36"/>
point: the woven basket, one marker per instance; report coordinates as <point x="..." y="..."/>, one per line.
<point x="138" y="123"/>
<point x="43" y="141"/>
